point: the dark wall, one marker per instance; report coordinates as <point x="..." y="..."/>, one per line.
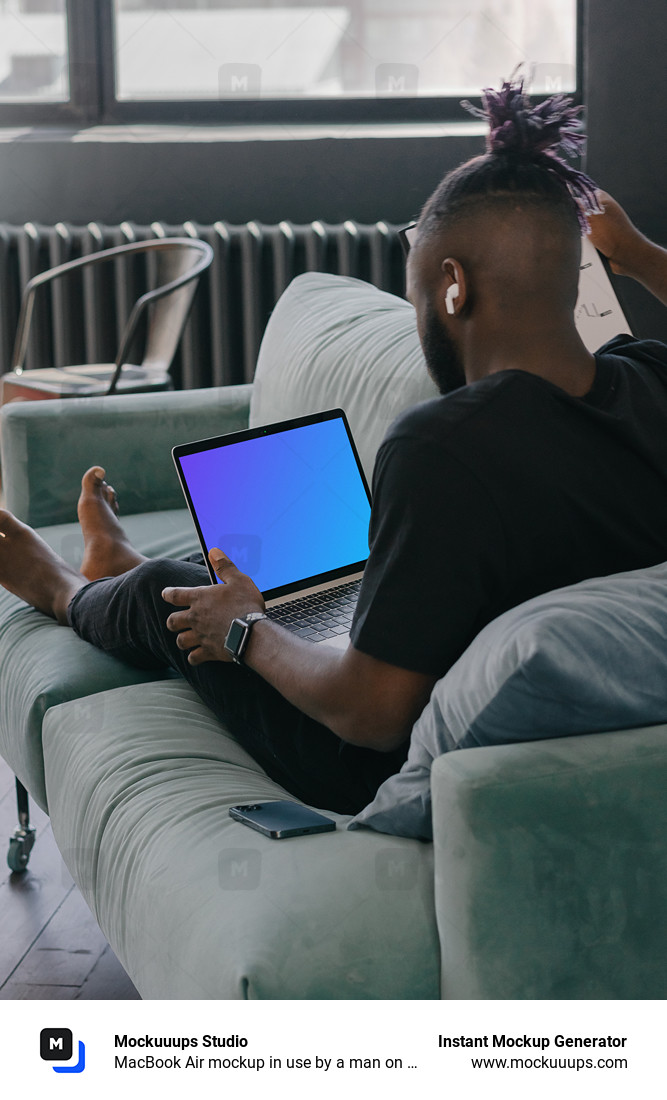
<point x="625" y="89"/>
<point x="60" y="177"/>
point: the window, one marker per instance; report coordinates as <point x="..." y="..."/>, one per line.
<point x="274" y="60"/>
<point x="33" y="51"/>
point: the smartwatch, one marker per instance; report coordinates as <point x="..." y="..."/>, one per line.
<point x="238" y="635"/>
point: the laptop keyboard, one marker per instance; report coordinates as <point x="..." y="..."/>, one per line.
<point x="321" y="614"/>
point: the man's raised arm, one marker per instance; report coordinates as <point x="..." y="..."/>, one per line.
<point x="629" y="252"/>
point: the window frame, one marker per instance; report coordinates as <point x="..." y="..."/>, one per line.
<point x="91" y="43"/>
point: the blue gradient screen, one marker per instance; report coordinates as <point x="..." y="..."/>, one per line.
<point x="284" y="506"/>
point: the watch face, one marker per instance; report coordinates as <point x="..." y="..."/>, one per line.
<point x="235" y="636"/>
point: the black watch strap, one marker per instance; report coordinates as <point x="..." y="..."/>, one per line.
<point x="238" y="634"/>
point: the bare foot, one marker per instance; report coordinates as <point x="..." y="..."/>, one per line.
<point x="33" y="571"/>
<point x="107" y="549"/>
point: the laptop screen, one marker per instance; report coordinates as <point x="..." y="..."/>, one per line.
<point x="284" y="503"/>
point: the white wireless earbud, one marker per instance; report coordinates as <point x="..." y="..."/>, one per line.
<point x="452" y="293"/>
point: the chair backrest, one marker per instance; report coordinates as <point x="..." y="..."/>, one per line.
<point x="167" y="313"/>
<point x="174" y="269"/>
<point x="177" y="263"/>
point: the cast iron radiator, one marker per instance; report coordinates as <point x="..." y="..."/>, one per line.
<point x="78" y="319"/>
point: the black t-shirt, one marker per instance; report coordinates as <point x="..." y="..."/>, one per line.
<point x="507" y="488"/>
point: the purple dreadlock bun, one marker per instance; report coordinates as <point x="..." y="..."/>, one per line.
<point x="535" y="134"/>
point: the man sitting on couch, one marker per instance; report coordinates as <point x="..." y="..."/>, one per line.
<point x="540" y="465"/>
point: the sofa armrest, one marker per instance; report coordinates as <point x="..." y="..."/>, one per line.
<point x="551" y="868"/>
<point x="47" y="445"/>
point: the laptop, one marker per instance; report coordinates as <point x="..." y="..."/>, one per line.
<point x="289" y="504"/>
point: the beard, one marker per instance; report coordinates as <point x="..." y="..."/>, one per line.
<point x="443" y="361"/>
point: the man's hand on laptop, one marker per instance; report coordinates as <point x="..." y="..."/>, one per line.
<point x="208" y="611"/>
<point x="363" y="700"/>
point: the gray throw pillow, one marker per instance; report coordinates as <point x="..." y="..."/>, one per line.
<point x="584" y="659"/>
<point x="335" y="342"/>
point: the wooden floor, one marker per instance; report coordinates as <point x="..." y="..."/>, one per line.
<point x="50" y="946"/>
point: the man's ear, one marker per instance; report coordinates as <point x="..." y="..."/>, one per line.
<point x="453" y="286"/>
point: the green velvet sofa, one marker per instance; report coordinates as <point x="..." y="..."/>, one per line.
<point x="547" y="877"/>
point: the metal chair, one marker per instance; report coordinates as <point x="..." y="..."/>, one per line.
<point x="179" y="261"/>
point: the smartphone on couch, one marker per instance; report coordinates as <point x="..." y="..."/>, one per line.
<point x="282" y="819"/>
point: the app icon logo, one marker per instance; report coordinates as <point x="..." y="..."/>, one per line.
<point x="56" y="1045"/>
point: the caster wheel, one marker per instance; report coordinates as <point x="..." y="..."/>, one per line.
<point x="19" y="850"/>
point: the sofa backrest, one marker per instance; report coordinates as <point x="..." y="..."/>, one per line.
<point x="336" y="342"/>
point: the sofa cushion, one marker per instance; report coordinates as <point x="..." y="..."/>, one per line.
<point x="42" y="664"/>
<point x="335" y="342"/>
<point x="197" y="905"/>
<point x="131" y="435"/>
<point x="551" y="868"/>
<point x="583" y="659"/>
